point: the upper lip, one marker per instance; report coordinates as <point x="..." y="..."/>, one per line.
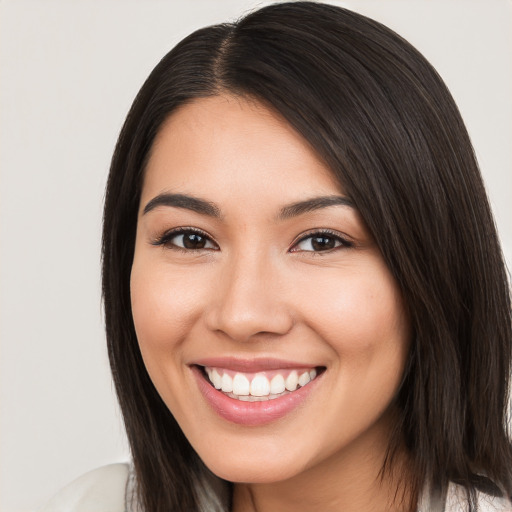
<point x="252" y="365"/>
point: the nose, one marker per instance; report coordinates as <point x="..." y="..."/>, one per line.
<point x="250" y="301"/>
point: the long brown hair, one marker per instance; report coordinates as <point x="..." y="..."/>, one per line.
<point x="384" y="122"/>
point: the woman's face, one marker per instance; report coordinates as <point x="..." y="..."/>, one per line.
<point x="254" y="274"/>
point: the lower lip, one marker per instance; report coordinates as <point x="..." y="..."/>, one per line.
<point x="251" y="413"/>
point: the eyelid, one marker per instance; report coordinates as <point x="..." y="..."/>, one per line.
<point x="346" y="242"/>
<point x="169" y="234"/>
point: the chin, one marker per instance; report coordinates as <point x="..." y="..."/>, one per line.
<point x="252" y="473"/>
<point x="243" y="467"/>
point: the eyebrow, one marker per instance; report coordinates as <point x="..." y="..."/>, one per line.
<point x="208" y="208"/>
<point x="183" y="201"/>
<point x="315" y="203"/>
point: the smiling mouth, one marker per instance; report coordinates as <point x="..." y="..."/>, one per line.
<point x="259" y="386"/>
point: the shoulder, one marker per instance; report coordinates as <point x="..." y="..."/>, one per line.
<point x="100" y="490"/>
<point x="456" y="501"/>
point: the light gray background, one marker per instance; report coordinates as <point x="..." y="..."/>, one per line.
<point x="69" y="71"/>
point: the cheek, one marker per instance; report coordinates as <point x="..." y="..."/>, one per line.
<point x="363" y="310"/>
<point x="163" y="309"/>
<point x="362" y="319"/>
<point x="360" y="315"/>
<point x="165" y="306"/>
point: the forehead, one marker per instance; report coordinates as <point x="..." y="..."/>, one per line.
<point x="235" y="144"/>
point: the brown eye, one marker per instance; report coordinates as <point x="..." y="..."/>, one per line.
<point x="321" y="242"/>
<point x="187" y="240"/>
<point x="193" y="241"/>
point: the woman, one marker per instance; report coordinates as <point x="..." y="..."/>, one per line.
<point x="305" y="298"/>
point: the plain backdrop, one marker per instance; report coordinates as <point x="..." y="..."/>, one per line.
<point x="69" y="71"/>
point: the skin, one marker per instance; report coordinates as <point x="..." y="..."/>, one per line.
<point x="258" y="289"/>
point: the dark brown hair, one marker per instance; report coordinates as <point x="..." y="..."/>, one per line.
<point x="377" y="113"/>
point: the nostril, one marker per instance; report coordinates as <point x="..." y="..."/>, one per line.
<point x="248" y="323"/>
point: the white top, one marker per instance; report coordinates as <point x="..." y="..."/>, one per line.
<point x="106" y="489"/>
<point x="100" y="490"/>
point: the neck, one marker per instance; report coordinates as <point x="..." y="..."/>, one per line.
<point x="351" y="480"/>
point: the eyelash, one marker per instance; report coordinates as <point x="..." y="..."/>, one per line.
<point x="166" y="240"/>
<point x="343" y="242"/>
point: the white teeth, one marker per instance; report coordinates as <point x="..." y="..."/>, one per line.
<point x="260" y="386"/>
<point x="291" y="381"/>
<point x="216" y="379"/>
<point x="277" y="385"/>
<point x="304" y="379"/>
<point x="227" y="383"/>
<point x="241" y="385"/>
